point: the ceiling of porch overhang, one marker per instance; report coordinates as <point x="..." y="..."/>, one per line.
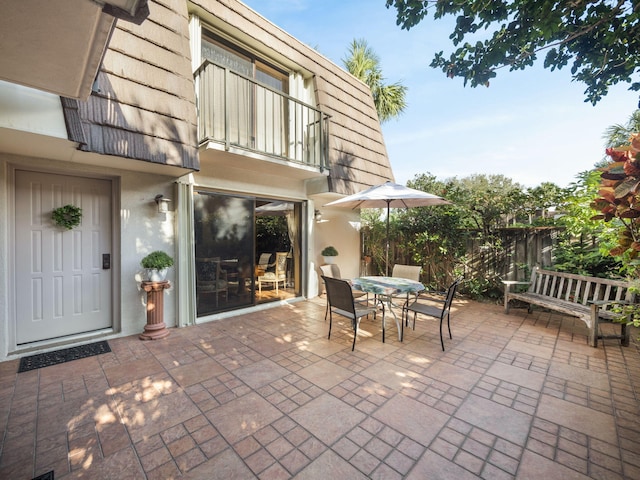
<point x="58" y="45"/>
<point x="213" y="158"/>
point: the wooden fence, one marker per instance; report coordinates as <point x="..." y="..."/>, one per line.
<point x="510" y="257"/>
<point x="520" y="250"/>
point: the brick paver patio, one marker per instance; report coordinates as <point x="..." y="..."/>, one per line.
<point x="266" y="395"/>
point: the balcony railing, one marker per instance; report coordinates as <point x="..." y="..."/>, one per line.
<point x="237" y="111"/>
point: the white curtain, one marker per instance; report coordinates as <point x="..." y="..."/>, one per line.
<point x="229" y="94"/>
<point x="293" y="226"/>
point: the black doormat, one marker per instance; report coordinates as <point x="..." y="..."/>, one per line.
<point x="61" y="356"/>
<point x="45" y="476"/>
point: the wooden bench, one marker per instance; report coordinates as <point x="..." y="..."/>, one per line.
<point x="588" y="298"/>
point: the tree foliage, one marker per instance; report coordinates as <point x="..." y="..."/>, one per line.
<point x="486" y="200"/>
<point x="540" y="200"/>
<point x="434" y="233"/>
<point x="363" y="63"/>
<point x="272" y="234"/>
<point x="437" y="237"/>
<point x="578" y="214"/>
<point x="584" y="246"/>
<point x="618" y="201"/>
<point x="618" y="135"/>
<point x="600" y="40"/>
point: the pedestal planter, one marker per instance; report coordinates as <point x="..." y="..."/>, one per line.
<point x="155" y="327"/>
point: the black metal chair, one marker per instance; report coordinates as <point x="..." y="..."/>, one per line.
<point x="417" y="306"/>
<point x="333" y="271"/>
<point x="340" y="300"/>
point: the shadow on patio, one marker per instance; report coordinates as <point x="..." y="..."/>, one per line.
<point x="266" y="395"/>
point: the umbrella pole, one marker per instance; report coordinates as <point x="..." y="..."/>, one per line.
<point x="387" y="262"/>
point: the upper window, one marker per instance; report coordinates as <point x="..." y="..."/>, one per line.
<point x="224" y="53"/>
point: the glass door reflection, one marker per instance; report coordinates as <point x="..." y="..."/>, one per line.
<point x="247" y="251"/>
<point x="224" y="236"/>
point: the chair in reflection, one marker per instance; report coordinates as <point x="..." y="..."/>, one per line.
<point x="263" y="264"/>
<point x="211" y="278"/>
<point x="340" y="301"/>
<point x="231" y="273"/>
<point x="278" y="275"/>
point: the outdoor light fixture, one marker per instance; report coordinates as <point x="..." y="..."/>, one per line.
<point x="318" y="217"/>
<point x="163" y="203"/>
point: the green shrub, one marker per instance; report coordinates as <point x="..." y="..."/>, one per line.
<point x="158" y="260"/>
<point x="329" y="252"/>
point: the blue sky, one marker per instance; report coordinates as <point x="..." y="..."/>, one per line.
<point x="531" y="126"/>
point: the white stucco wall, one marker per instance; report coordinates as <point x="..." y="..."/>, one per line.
<point x="340" y="228"/>
<point x="144" y="230"/>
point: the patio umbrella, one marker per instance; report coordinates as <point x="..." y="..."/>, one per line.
<point x="274" y="209"/>
<point x="389" y="195"/>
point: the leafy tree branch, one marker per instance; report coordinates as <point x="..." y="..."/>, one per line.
<point x="600" y="40"/>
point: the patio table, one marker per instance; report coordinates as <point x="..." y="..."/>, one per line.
<point x="387" y="287"/>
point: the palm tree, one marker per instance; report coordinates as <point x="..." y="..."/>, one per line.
<point x="363" y="63"/>
<point x="618" y="135"/>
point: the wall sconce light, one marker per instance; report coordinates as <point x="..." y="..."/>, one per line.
<point x="318" y="217"/>
<point x="163" y="203"/>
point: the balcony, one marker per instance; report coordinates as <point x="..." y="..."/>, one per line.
<point x="236" y="112"/>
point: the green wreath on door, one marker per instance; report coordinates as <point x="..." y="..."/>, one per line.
<point x="67" y="217"/>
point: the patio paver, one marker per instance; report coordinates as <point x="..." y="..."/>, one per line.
<point x="266" y="395"/>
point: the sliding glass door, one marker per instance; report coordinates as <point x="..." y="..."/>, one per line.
<point x="247" y="251"/>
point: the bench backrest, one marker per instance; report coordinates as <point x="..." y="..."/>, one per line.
<point x="578" y="288"/>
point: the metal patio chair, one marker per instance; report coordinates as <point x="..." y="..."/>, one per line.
<point x="340" y="301"/>
<point x="333" y="271"/>
<point x="443" y="309"/>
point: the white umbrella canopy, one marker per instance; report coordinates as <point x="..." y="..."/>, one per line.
<point x="389" y="195"/>
<point x="274" y="209"/>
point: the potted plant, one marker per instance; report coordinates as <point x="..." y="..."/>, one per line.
<point x="156" y="264"/>
<point x="329" y="254"/>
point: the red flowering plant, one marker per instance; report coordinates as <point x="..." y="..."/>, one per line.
<point x="619" y="197"/>
<point x="619" y="201"/>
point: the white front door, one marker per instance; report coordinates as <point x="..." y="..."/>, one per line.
<point x="63" y="277"/>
